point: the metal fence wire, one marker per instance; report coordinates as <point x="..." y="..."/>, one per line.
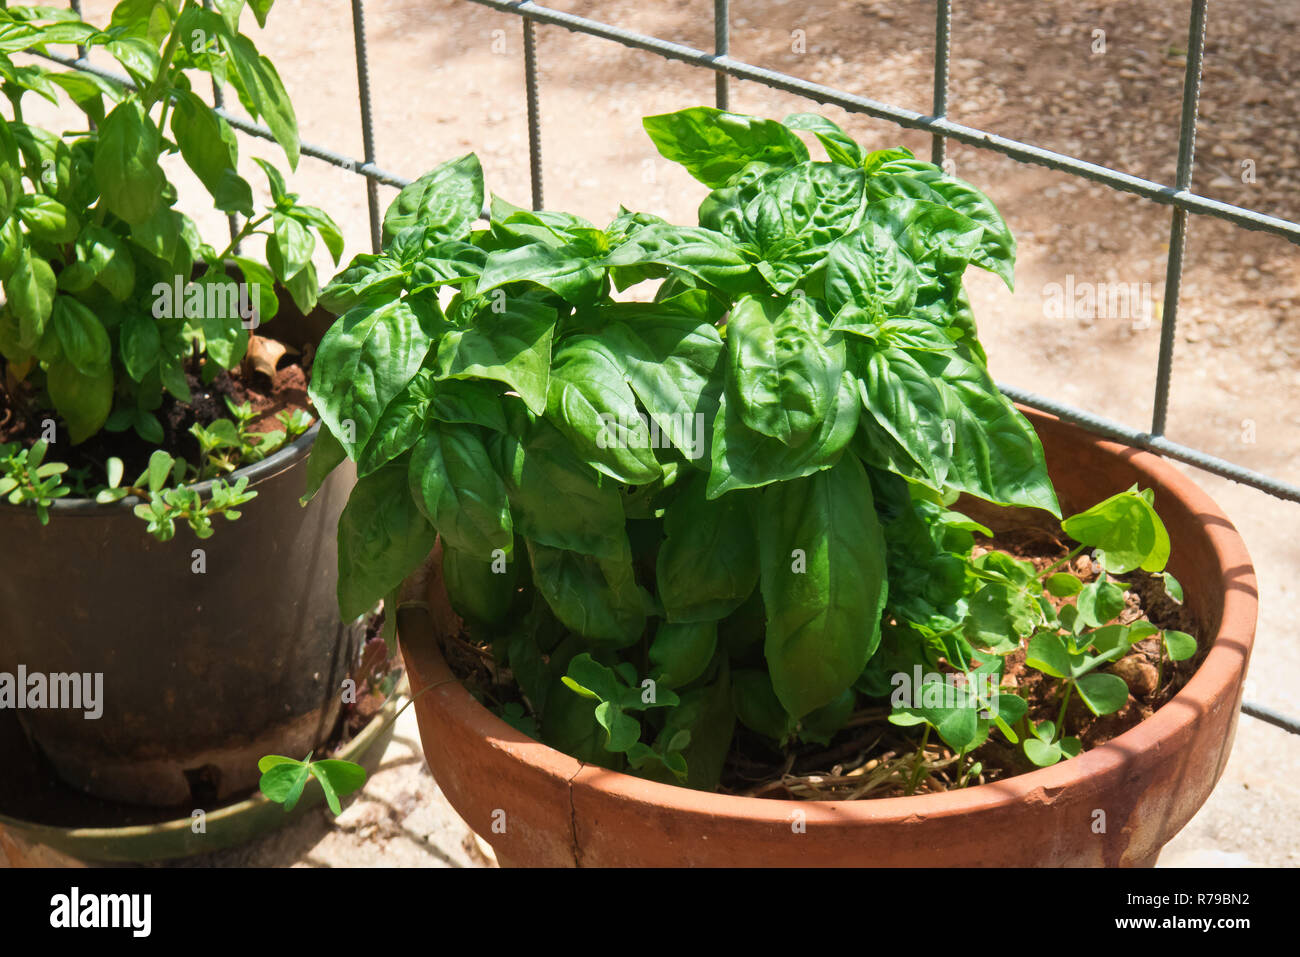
<point x="1179" y="196"/>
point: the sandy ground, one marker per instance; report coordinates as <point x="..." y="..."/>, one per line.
<point x="447" y="78"/>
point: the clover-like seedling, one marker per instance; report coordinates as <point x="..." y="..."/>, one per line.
<point x="284" y="779"/>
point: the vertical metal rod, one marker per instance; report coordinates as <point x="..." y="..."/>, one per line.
<point x="367" y="119"/>
<point x="75" y="7"/>
<point x="1178" y="228"/>
<point x="534" y="118"/>
<point x="218" y="101"/>
<point x="942" y="37"/>
<point x="721" y="46"/>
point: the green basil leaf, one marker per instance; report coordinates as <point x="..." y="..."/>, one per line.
<point x="210" y="149"/>
<point x="672" y="364"/>
<point x="682" y="651"/>
<point x="512" y="345"/>
<point x="479" y="589"/>
<point x="29" y="293"/>
<point x="590" y="401"/>
<point x="744" y="458"/>
<point x="82" y="336"/>
<point x="840" y="147"/>
<point x="822" y="555"/>
<point x="715" y="145"/>
<point x="293" y="243"/>
<point x="866" y="268"/>
<point x="126" y="164"/>
<point x="364" y="361"/>
<point x="707" y="256"/>
<point x="956" y="426"/>
<point x="84" y="401"/>
<point x="446" y="200"/>
<point x="708" y="563"/>
<point x="456" y="487"/>
<point x="783" y="371"/>
<point x="540" y="469"/>
<point x="596" y="598"/>
<point x="327" y="454"/>
<point x="47" y="219"/>
<point x="382" y="538"/>
<point x="1127" y="529"/>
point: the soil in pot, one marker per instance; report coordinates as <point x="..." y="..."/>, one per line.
<point x="272" y="378"/>
<point x="872" y="758"/>
<point x="32" y="792"/>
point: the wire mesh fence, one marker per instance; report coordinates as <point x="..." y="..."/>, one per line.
<point x="1179" y="195"/>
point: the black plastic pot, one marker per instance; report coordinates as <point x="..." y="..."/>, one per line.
<point x="203" y="673"/>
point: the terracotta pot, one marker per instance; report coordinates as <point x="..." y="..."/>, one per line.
<point x="1115" y="805"/>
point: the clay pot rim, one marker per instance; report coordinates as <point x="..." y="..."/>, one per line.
<point x="1218" y="671"/>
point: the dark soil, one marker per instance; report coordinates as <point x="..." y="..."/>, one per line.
<point x="872" y="758"/>
<point x="21" y="414"/>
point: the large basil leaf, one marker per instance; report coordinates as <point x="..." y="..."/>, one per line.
<point x="556" y="498"/>
<point x="594" y="597"/>
<point x="446" y="201"/>
<point x="911" y="177"/>
<point x="366" y="275"/>
<point x="209" y="148"/>
<point x="573" y="271"/>
<point x="47" y="219"/>
<point x="708" y="563"/>
<point x="400" y="425"/>
<point x="714" y="145"/>
<point x="867" y="269"/>
<point x="479" y="590"/>
<point x="702" y="254"/>
<point x="126" y="164"/>
<point x="671" y="361"/>
<point x="83" y="400"/>
<point x="82" y="336"/>
<point x="743" y="458"/>
<point x="939" y="241"/>
<point x="382" y="537"/>
<point x="797" y="214"/>
<point x="11" y="186"/>
<point x="468" y="400"/>
<point x="823" y="583"/>
<point x="511" y="346"/>
<point x="365" y="359"/>
<point x="29" y="294"/>
<point x="783" y="369"/>
<point x="260" y="88"/>
<point x="591" y="402"/>
<point x="456" y="487"/>
<point x="958" y="429"/>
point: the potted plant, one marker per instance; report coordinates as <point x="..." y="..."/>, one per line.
<point x="141" y="398"/>
<point x="774" y="533"/>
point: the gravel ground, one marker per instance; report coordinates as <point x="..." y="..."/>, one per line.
<point x="447" y="78"/>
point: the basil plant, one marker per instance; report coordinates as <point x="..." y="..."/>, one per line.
<point x="114" y="304"/>
<point x="724" y="501"/>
